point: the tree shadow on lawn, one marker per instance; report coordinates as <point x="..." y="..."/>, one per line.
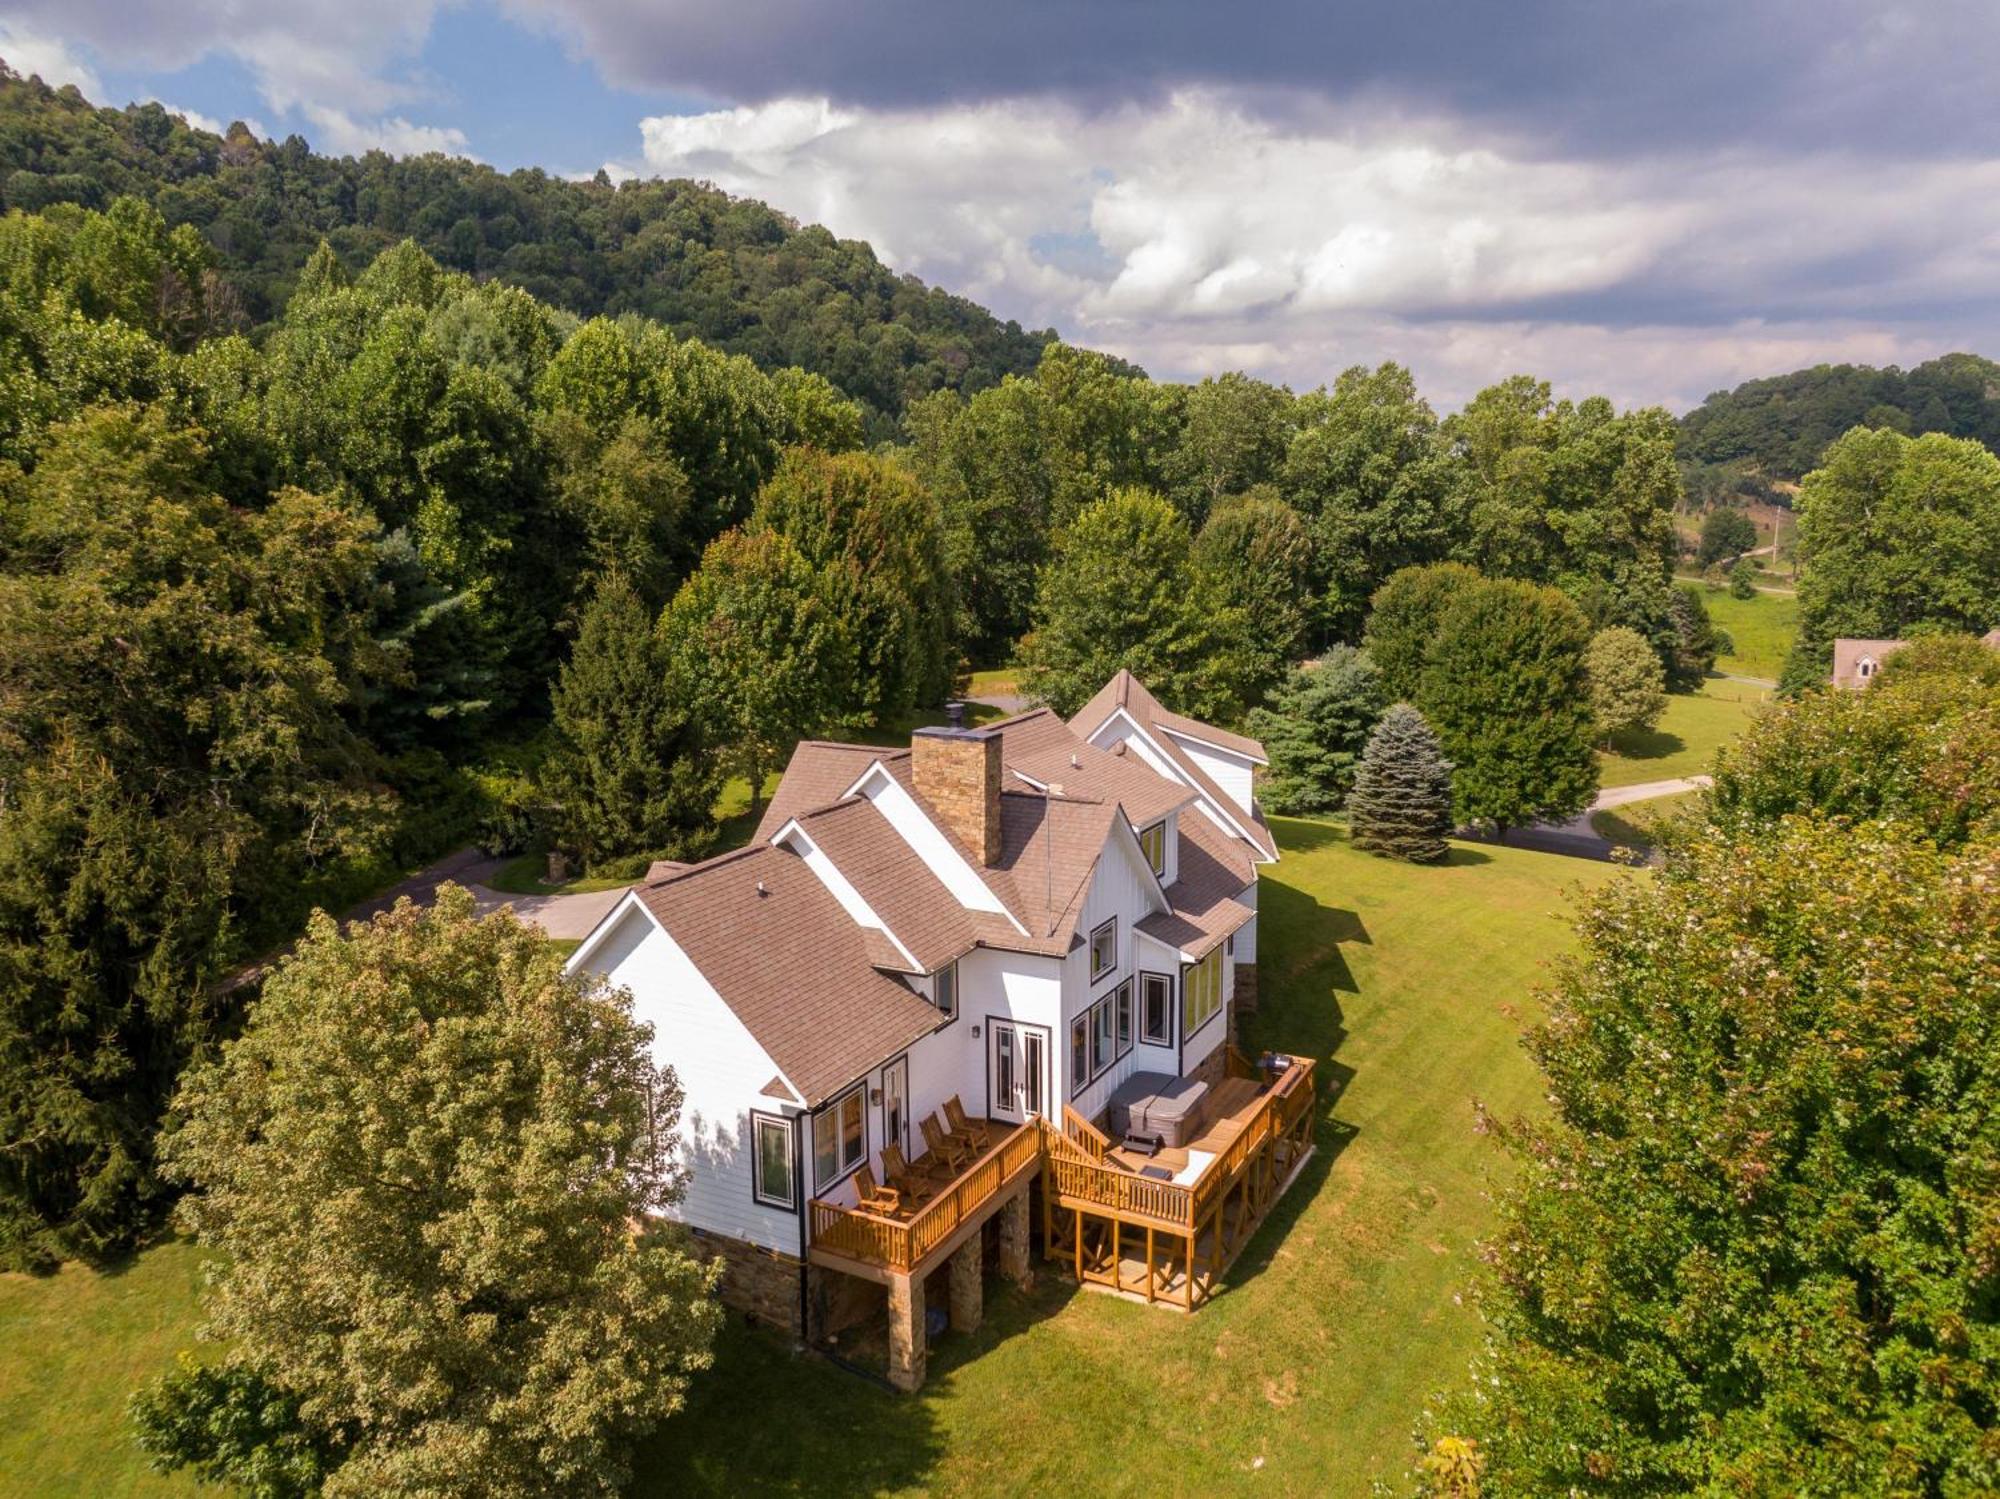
<point x="768" y="1419"/>
<point x="1646" y="744"/>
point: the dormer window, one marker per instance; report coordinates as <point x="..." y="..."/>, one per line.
<point x="1866" y="669"/>
<point x="1104" y="949"/>
<point x="1154" y="841"/>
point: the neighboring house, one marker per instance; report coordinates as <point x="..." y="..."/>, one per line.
<point x="1021" y="919"/>
<point x="1855" y="662"/>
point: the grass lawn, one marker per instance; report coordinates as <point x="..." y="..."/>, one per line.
<point x="1000" y="681"/>
<point x="1344" y="1312"/>
<point x="523" y="876"/>
<point x="1761" y="628"/>
<point x="73" y="1346"/>
<point x="1692" y="729"/>
<point x="1632" y="825"/>
<point x="1304" y="1375"/>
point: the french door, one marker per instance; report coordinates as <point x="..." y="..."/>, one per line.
<point x="896" y="1104"/>
<point x="1017" y="1071"/>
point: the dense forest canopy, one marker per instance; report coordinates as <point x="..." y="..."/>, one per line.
<point x="733" y="272"/>
<point x="1776" y="429"/>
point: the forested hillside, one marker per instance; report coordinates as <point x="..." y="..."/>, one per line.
<point x="735" y="273"/>
<point x="1774" y="430"/>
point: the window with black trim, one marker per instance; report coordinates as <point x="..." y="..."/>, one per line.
<point x="1156" y="1009"/>
<point x="1100" y="1036"/>
<point x="944" y="991"/>
<point x="840" y="1137"/>
<point x="1104" y="949"/>
<point x="1122" y="1003"/>
<point x="1079" y="1053"/>
<point x="774" y="1176"/>
<point x="1154" y="841"/>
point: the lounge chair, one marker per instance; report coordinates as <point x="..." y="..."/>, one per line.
<point x="876" y="1198"/>
<point x="963" y="1125"/>
<point x="954" y="1153"/>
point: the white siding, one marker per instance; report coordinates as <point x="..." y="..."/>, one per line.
<point x="917" y="830"/>
<point x="1246" y="935"/>
<point x="721" y="1068"/>
<point x="1230" y="771"/>
<point x="1121" y="888"/>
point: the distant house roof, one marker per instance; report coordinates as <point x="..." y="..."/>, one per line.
<point x="1855" y="660"/>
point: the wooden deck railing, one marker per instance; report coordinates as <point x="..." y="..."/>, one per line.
<point x="1075" y="1175"/>
<point x="903" y="1244"/>
<point x="1081" y="1171"/>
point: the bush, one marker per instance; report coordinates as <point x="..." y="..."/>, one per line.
<point x="227" y="1424"/>
<point x="1743" y="579"/>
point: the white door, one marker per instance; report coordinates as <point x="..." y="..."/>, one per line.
<point x="1017" y="1069"/>
<point x="896" y="1104"/>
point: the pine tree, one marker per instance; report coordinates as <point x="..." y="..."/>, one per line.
<point x="1401" y="802"/>
<point x="1316" y="729"/>
<point x="629" y="773"/>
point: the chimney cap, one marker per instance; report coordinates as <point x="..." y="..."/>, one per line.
<point x="945" y="731"/>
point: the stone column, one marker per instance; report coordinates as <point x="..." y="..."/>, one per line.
<point x="908" y="1353"/>
<point x="1246" y="987"/>
<point x="1014" y="1236"/>
<point x="968" y="1289"/>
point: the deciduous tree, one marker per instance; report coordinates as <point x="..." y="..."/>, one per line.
<point x="1122" y="591"/>
<point x="429" y="1167"/>
<point x="1627" y="688"/>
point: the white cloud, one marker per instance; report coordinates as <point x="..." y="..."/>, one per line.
<point x="35" y="54"/>
<point x="1220" y="238"/>
<point x="338" y="133"/>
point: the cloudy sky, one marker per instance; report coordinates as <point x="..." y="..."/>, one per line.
<point x="1649" y="198"/>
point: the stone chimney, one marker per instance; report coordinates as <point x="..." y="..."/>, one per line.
<point x="958" y="771"/>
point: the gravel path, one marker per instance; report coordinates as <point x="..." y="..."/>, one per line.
<point x="562" y="916"/>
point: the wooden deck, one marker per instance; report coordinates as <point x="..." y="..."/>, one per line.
<point x="1170" y="1239"/>
<point x="1116" y="1225"/>
<point x="934" y="1221"/>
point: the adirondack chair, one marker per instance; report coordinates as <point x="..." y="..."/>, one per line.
<point x="875" y="1198"/>
<point x="963" y="1125"/>
<point x="900" y="1174"/>
<point x="954" y="1153"/>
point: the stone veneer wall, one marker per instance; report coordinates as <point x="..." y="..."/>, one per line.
<point x="761" y="1283"/>
<point x="1212" y="1068"/>
<point x="958" y="771"/>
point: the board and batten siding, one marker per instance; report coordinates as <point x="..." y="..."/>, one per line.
<point x="722" y="1072"/>
<point x="1231" y="772"/>
<point x="1122" y="887"/>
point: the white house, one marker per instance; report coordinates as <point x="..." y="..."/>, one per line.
<point x="1017" y="921"/>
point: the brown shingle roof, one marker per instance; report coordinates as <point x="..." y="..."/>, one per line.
<point x="1128" y="692"/>
<point x="816" y="775"/>
<point x="791" y="965"/>
<point x="1214" y="870"/>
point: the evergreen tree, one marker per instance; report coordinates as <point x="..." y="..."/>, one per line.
<point x="1315" y="730"/>
<point x="1401" y="802"/>
<point x="629" y="773"/>
<point x="1696" y="641"/>
<point x="1505" y="686"/>
<point x="1123" y="591"/>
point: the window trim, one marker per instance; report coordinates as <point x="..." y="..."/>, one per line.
<point x="760" y="1121"/>
<point x="1079" y="1049"/>
<point x="1166" y="984"/>
<point x="831" y="1108"/>
<point x="1160" y="827"/>
<point x="1190" y="1026"/>
<point x="1084" y="1029"/>
<point x="957" y="1003"/>
<point x="1111" y="965"/>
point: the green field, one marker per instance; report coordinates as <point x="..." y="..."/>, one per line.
<point x="1692" y="729"/>
<point x="1632" y="825"/>
<point x="1304" y="1375"/>
<point x="1761" y="628"/>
